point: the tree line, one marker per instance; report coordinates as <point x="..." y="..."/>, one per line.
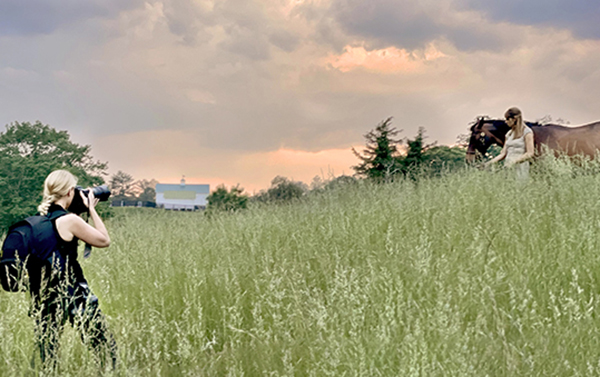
<point x="384" y="158"/>
<point x="30" y="151"/>
<point x="124" y="187"/>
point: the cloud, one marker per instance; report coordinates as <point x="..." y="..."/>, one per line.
<point x="198" y="87"/>
<point x="408" y="24"/>
<point x="470" y="25"/>
<point x="32" y="17"/>
<point x="250" y="44"/>
<point x="284" y="40"/>
<point x="8" y="74"/>
<point x="579" y="16"/>
<point x="402" y="24"/>
<point x="195" y="95"/>
<point x="386" y="60"/>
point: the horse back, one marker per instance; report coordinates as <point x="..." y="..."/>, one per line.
<point x="583" y="139"/>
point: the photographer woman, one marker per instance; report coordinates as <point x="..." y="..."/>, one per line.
<point x="58" y="288"/>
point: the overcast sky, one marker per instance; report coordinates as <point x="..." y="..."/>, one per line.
<point x="239" y="91"/>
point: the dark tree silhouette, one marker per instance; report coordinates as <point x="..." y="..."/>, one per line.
<point x="380" y="156"/>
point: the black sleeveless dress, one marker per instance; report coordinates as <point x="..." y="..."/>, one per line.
<point x="60" y="292"/>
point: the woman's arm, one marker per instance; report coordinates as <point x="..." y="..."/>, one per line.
<point x="499" y="157"/>
<point x="96" y="235"/>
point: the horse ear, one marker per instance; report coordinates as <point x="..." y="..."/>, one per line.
<point x="476" y="122"/>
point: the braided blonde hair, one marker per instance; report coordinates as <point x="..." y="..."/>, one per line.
<point x="57" y="184"/>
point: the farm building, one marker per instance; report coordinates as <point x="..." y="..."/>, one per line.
<point x="181" y="196"/>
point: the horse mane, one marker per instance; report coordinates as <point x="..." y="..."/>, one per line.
<point x="538" y="124"/>
<point x="476" y="121"/>
<point x="488" y="119"/>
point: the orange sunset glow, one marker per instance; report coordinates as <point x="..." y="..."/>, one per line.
<point x="388" y="60"/>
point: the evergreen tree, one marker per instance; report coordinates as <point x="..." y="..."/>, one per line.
<point x="414" y="156"/>
<point x="380" y="156"/>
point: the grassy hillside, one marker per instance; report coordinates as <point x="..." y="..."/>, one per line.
<point x="472" y="274"/>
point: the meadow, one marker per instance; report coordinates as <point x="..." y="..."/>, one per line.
<point x="468" y="274"/>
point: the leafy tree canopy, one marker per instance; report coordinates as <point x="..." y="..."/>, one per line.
<point x="282" y="189"/>
<point x="123" y="186"/>
<point x="28" y="153"/>
<point x="222" y="200"/>
<point x="443" y="158"/>
<point x="146" y="190"/>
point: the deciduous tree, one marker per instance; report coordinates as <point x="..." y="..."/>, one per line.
<point x="443" y="158"/>
<point x="122" y="186"/>
<point x="282" y="189"/>
<point x="28" y="153"/>
<point x="146" y="190"/>
<point x="222" y="200"/>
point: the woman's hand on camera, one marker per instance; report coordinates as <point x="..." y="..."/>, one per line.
<point x="89" y="199"/>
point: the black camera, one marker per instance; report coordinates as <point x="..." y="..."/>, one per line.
<point x="78" y="207"/>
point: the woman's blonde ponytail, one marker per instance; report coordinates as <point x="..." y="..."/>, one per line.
<point x="46" y="202"/>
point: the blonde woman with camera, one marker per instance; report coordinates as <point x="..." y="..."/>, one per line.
<point x="58" y="288"/>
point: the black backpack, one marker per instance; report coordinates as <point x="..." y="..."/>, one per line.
<point x="34" y="237"/>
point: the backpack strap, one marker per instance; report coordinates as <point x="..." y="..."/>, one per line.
<point x="56" y="212"/>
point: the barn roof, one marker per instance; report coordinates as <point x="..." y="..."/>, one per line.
<point x="199" y="189"/>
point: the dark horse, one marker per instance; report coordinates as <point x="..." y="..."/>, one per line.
<point x="582" y="140"/>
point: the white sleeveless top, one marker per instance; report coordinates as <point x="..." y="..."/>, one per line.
<point x="515" y="148"/>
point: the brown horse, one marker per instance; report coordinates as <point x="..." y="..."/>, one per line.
<point x="582" y="140"/>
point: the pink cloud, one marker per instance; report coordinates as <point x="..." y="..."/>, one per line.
<point x="387" y="60"/>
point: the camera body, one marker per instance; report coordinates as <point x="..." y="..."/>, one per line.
<point x="78" y="207"/>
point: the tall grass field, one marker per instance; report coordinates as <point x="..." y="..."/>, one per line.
<point x="469" y="274"/>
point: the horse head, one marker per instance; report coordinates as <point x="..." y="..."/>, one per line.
<point x="484" y="133"/>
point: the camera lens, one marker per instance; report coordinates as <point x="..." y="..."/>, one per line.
<point x="77" y="206"/>
<point x="101" y="192"/>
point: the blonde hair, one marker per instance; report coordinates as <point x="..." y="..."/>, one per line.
<point x="519" y="127"/>
<point x="57" y="184"/>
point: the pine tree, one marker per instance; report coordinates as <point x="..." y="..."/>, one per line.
<point x="414" y="155"/>
<point x="380" y="156"/>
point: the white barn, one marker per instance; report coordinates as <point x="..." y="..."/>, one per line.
<point x="181" y="196"/>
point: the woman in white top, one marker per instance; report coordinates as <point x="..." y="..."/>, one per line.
<point x="518" y="145"/>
